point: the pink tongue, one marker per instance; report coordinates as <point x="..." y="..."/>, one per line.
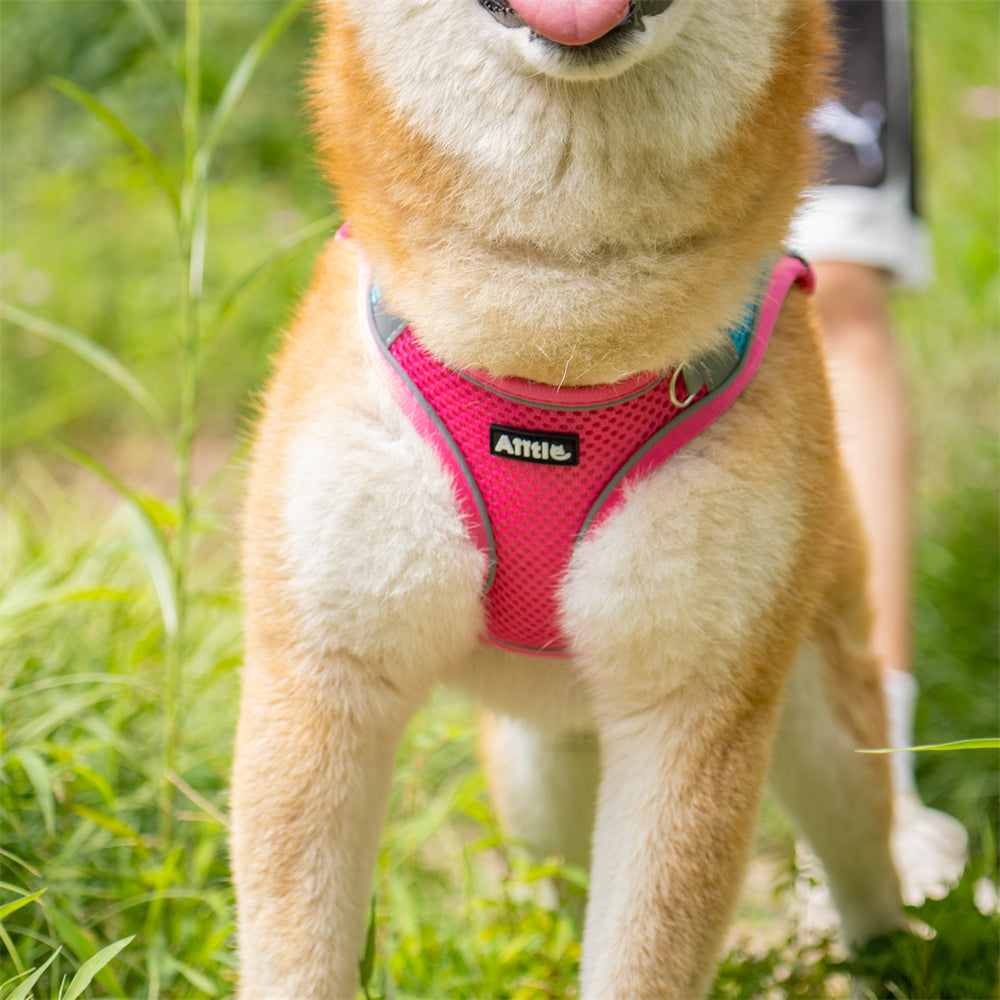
<point x="572" y="22"/>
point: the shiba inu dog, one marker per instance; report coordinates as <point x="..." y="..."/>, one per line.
<point x="551" y="425"/>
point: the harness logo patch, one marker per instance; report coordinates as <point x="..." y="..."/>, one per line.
<point x="541" y="447"/>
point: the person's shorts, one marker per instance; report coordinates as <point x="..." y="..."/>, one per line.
<point x="866" y="212"/>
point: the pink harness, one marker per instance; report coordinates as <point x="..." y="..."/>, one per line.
<point x="537" y="467"/>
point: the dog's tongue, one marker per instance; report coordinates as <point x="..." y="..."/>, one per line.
<point x="572" y="22"/>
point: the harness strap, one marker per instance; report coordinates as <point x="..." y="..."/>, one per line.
<point x="529" y="513"/>
<point x="788" y="271"/>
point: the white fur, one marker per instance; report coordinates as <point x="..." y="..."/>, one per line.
<point x="697" y="67"/>
<point x="637" y="807"/>
<point x="381" y="566"/>
<point x="821" y="779"/>
<point x="667" y="551"/>
<point x="576" y="198"/>
<point x="550" y="695"/>
<point x="544" y="785"/>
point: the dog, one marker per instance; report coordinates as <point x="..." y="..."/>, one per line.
<point x="551" y="425"/>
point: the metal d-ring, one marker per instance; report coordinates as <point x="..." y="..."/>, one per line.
<point x="681" y="404"/>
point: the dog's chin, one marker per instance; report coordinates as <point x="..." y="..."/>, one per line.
<point x="629" y="43"/>
<point x="607" y="57"/>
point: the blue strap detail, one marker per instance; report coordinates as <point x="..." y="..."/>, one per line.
<point x="741" y="332"/>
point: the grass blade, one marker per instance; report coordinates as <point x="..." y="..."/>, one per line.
<point x="92" y="966"/>
<point x="15" y="904"/>
<point x="150" y="543"/>
<point x="235" y="296"/>
<point x="157" y="172"/>
<point x="116" y="827"/>
<point x="198" y="980"/>
<point x="367" y="964"/>
<point x="153" y="551"/>
<point x="85" y="349"/>
<point x="82" y="942"/>
<point x="153" y="24"/>
<point x="987" y="743"/>
<point x="38" y="774"/>
<point x="247" y="66"/>
<point x="43" y="725"/>
<point x="23" y="991"/>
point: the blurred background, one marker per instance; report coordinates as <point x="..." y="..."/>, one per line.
<point x="151" y="248"/>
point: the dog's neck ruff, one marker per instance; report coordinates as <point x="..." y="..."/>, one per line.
<point x="536" y="467"/>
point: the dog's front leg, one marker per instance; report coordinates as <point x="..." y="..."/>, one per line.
<point x="678" y="803"/>
<point x="313" y="768"/>
<point x="686" y="624"/>
<point x="362" y="589"/>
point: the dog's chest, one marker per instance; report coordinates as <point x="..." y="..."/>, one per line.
<point x="533" y="476"/>
<point x="536" y="467"/>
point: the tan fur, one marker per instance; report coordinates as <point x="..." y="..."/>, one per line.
<point x="571" y="249"/>
<point x="623" y="288"/>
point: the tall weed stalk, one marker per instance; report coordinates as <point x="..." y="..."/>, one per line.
<point x="165" y="535"/>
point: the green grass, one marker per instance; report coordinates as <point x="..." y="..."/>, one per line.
<point x="119" y="608"/>
<point x="85" y="714"/>
<point x="950" y="332"/>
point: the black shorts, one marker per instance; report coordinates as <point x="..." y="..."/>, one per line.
<point x="866" y="212"/>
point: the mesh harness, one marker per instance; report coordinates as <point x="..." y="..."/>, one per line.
<point x="536" y="467"/>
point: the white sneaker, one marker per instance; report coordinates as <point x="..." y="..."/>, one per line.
<point x="930" y="849"/>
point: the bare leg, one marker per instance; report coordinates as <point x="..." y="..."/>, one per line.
<point x="876" y="440"/>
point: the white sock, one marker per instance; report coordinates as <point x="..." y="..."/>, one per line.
<point x="901" y="690"/>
